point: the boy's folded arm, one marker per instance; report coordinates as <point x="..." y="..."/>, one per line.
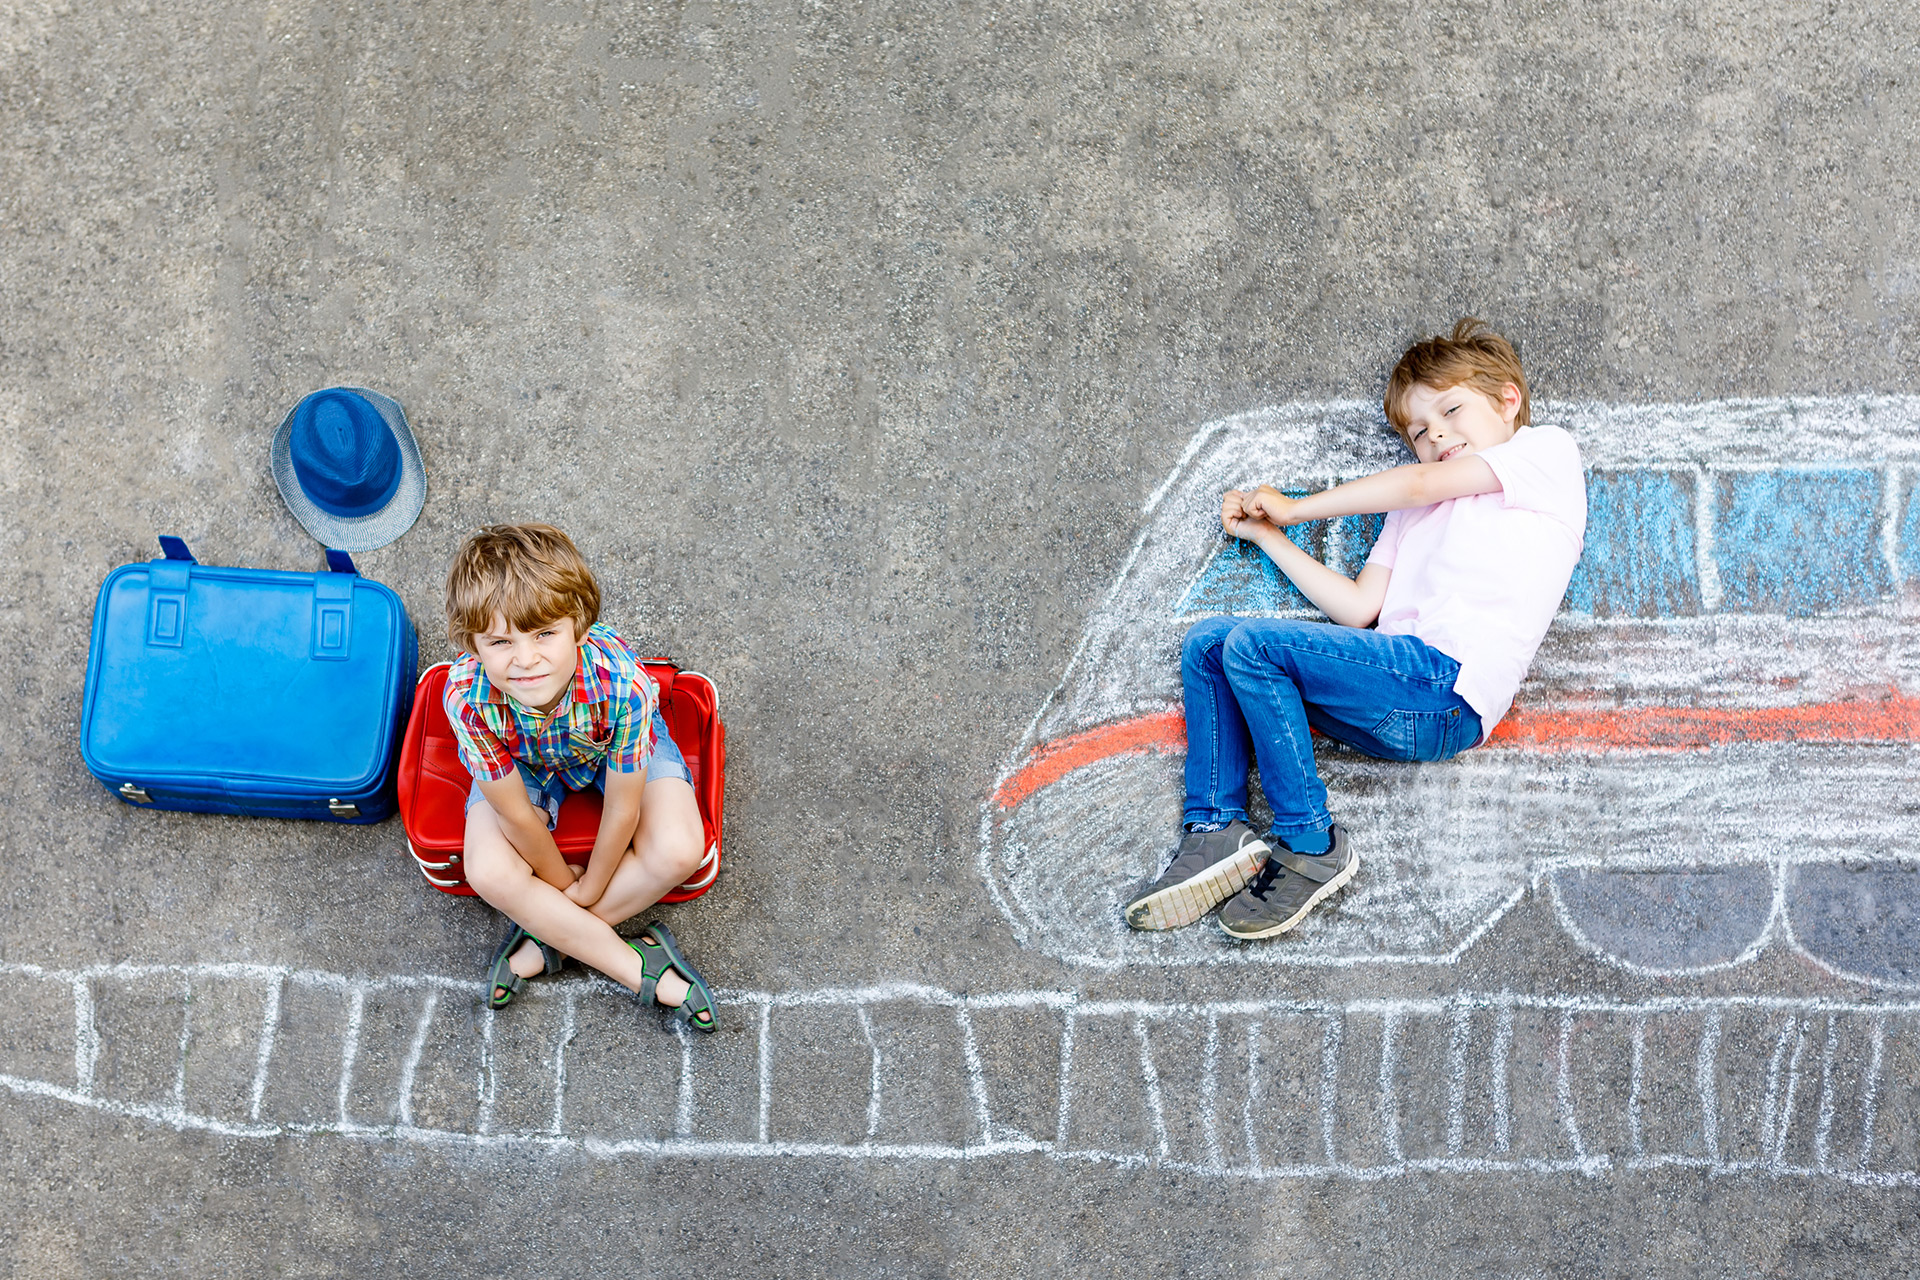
<point x="1418" y="484"/>
<point x="626" y="781"/>
<point x="619" y="820"/>
<point x="525" y="829"/>
<point x="1351" y="602"/>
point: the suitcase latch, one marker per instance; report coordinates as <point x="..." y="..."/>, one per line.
<point x="341" y="809"/>
<point x="136" y="794"/>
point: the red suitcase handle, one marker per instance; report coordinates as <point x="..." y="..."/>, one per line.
<point x="433" y="784"/>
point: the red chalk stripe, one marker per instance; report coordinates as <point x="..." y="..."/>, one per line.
<point x="1889" y="720"/>
<point x="1893" y="719"/>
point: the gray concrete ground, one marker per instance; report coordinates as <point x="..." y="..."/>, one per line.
<point x="849" y="343"/>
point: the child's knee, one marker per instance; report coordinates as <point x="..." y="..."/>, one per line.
<point x="493" y="868"/>
<point x="1264" y="642"/>
<point x="690" y="851"/>
<point x="486" y="877"/>
<point x="691" y="856"/>
<point x="1240" y="643"/>
<point x="1204" y="636"/>
<point x="676" y="848"/>
<point x="1246" y="647"/>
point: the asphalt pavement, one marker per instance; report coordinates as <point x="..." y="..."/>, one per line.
<point x="879" y="358"/>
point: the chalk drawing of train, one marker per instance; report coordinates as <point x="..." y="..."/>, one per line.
<point x="1717" y="750"/>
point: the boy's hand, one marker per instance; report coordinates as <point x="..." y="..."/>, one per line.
<point x="584" y="893"/>
<point x="1269" y="503"/>
<point x="1234" y="516"/>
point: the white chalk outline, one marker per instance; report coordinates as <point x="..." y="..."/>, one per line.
<point x="1210" y="1095"/>
<point x="410" y="1068"/>
<point x="186" y="1046"/>
<point x="1706" y="568"/>
<point x="873" y="1073"/>
<point x="263" y="1057"/>
<point x="569" y="1027"/>
<point x="1771" y="927"/>
<point x="1823" y="1126"/>
<point x="1139" y="1018"/>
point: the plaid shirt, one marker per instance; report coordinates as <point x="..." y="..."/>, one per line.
<point x="606" y="714"/>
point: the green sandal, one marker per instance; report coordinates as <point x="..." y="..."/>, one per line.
<point x="505" y="982"/>
<point x="658" y="953"/>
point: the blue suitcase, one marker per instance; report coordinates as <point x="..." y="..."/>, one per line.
<point x="250" y="691"/>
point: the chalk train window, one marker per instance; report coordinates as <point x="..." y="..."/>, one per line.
<point x="1800" y="542"/>
<point x="1641" y="558"/>
<point x="1239" y="579"/>
<point x="1797" y="542"/>
<point x="1793" y="541"/>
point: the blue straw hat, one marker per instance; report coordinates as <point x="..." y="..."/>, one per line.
<point x="348" y="467"/>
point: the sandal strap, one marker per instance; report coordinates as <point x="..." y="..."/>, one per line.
<point x="654" y="963"/>
<point x="500" y="976"/>
<point x="1319" y="869"/>
<point x="666" y="951"/>
<point x="554" y="960"/>
<point x="698" y="1000"/>
<point x="688" y="1012"/>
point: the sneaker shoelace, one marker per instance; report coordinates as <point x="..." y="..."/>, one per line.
<point x="1263" y="880"/>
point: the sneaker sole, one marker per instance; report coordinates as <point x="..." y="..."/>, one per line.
<point x="1184" y="903"/>
<point x="1320" y="895"/>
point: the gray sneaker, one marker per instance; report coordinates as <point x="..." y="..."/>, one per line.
<point x="1208" y="867"/>
<point x="1289" y="886"/>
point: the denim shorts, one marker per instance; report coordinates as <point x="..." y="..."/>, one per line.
<point x="666" y="762"/>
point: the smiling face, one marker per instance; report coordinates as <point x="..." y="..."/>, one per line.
<point x="533" y="667"/>
<point x="1453" y="422"/>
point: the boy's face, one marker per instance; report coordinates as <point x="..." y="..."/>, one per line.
<point x="533" y="667"/>
<point x="1453" y="422"/>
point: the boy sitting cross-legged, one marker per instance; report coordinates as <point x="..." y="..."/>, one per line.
<point x="546" y="699"/>
<point x="1425" y="648"/>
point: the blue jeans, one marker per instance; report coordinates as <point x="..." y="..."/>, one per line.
<point x="1265" y="681"/>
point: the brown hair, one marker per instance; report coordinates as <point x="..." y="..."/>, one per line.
<point x="528" y="574"/>
<point x="1473" y="355"/>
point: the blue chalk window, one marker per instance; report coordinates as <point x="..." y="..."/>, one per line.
<point x="1640" y="559"/>
<point x="1240" y="579"/>
<point x="1799" y="542"/>
<point x="1796" y="541"/>
<point x="1910" y="533"/>
<point x="1353" y="537"/>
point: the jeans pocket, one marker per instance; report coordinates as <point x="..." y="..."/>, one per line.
<point x="1420" y="735"/>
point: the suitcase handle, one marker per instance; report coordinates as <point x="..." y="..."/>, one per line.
<point x="167" y="580"/>
<point x="331" y="639"/>
<point x="172" y="548"/>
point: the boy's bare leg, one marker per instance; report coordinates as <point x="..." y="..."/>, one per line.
<point x="668" y="846"/>
<point x="502" y="877"/>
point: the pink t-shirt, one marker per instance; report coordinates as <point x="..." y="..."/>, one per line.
<point x="1480" y="578"/>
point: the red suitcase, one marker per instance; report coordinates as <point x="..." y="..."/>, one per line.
<point x="434" y="784"/>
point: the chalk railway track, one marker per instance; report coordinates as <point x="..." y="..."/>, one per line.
<point x="1478" y="1084"/>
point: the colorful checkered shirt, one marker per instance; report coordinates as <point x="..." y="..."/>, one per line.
<point x="606" y="714"/>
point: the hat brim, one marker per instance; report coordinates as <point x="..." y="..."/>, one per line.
<point x="357" y="533"/>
